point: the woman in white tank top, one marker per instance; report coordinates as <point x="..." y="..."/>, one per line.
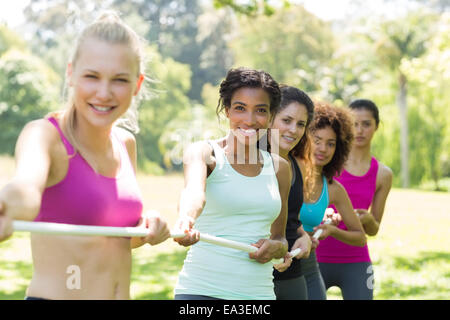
<point x="233" y="190"/>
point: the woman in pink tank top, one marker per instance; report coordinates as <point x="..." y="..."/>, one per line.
<point x="78" y="167"/>
<point x="367" y="183"/>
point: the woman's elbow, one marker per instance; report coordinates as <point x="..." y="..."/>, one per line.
<point x="193" y="199"/>
<point x="200" y="202"/>
<point x="362" y="240"/>
<point x="372" y="233"/>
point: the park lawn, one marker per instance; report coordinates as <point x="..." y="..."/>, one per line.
<point x="411" y="253"/>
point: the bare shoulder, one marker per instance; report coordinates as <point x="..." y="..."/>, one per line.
<point x="198" y="151"/>
<point x="198" y="148"/>
<point x="39" y="132"/>
<point x="280" y="162"/>
<point x="336" y="186"/>
<point x="282" y="168"/>
<point x="384" y="175"/>
<point x="42" y="126"/>
<point x="38" y="148"/>
<point x="336" y="190"/>
<point x="126" y="136"/>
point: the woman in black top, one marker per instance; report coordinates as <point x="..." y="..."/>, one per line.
<point x="288" y="139"/>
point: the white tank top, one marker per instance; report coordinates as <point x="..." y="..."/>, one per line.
<point x="238" y="208"/>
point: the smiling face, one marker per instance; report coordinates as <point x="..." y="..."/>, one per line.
<point x="323" y="146"/>
<point x="249" y="111"/>
<point x="289" y="124"/>
<point x="365" y="127"/>
<point x="104" y="79"/>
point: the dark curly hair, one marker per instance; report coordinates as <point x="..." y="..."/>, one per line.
<point x="340" y="121"/>
<point x="244" y="77"/>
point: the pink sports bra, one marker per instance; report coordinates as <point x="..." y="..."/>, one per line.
<point x="85" y="197"/>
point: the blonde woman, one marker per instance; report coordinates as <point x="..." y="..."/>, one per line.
<point x="76" y="166"/>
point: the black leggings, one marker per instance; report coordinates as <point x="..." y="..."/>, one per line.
<point x="314" y="282"/>
<point x="354" y="279"/>
<point x="291" y="289"/>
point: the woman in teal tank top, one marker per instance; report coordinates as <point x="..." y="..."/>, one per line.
<point x="331" y="136"/>
<point x="236" y="191"/>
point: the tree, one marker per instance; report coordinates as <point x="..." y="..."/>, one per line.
<point x="343" y="77"/>
<point x="55" y="25"/>
<point x="291" y="46"/>
<point x="251" y="8"/>
<point x="396" y="40"/>
<point x="10" y="39"/>
<point x="29" y="90"/>
<point x="215" y="28"/>
<point x="197" y="123"/>
<point x="429" y="77"/>
<point x="177" y="30"/>
<point x="440" y="6"/>
<point x="171" y="82"/>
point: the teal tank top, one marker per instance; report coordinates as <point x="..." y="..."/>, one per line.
<point x="311" y="214"/>
<point x="238" y="208"/>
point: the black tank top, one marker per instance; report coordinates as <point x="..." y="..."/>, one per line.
<point x="295" y="202"/>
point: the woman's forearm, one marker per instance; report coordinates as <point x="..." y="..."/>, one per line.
<point x="191" y="204"/>
<point x="371" y="226"/>
<point x="354" y="238"/>
<point x="22" y="200"/>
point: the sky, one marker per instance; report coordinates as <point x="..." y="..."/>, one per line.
<point x="11" y="11"/>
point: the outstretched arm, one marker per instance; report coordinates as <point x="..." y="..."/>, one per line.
<point x="193" y="195"/>
<point x="20" y="199"/>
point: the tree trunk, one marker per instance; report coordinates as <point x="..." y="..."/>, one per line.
<point x="404" y="143"/>
<point x="436" y="180"/>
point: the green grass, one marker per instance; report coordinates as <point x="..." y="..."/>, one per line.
<point x="411" y="253"/>
<point x="444" y="185"/>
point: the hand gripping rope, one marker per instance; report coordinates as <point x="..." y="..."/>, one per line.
<point x="81" y="230"/>
<point x="328" y="211"/>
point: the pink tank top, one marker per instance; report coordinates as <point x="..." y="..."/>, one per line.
<point x="361" y="190"/>
<point x="85" y="197"/>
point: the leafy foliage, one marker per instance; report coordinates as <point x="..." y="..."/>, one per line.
<point x="192" y="44"/>
<point x="171" y="82"/>
<point x="290" y="45"/>
<point x="29" y="90"/>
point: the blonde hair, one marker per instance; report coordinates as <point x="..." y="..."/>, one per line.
<point x="110" y="28"/>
